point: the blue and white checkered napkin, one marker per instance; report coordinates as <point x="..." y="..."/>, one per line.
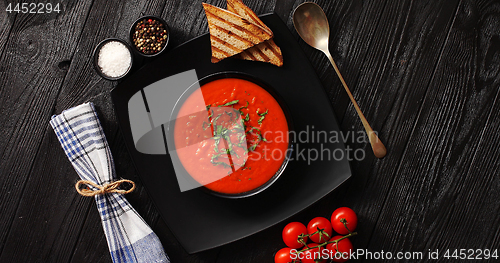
<point x="81" y="136"/>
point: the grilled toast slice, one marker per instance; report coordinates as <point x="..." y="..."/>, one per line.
<point x="267" y="51"/>
<point x="237" y="7"/>
<point x="230" y="33"/>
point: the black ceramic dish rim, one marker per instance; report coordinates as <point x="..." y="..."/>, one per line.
<point x="132" y="30"/>
<point x="274" y="94"/>
<point x="95" y="56"/>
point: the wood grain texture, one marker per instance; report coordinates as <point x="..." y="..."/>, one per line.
<point x="396" y="69"/>
<point x="31" y="55"/>
<point x="441" y="194"/>
<point x="6" y="21"/>
<point x="381" y="49"/>
<point x="283" y="9"/>
<point x="425" y="73"/>
<point x="406" y="36"/>
<point x="49" y="206"/>
<point x="78" y="87"/>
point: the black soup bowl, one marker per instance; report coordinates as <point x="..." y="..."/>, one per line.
<point x="170" y="132"/>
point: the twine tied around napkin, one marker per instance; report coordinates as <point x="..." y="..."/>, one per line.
<point x="103" y="189"/>
<point x="130" y="239"/>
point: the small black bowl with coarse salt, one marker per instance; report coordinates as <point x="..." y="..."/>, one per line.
<point x="149" y="35"/>
<point x="113" y="58"/>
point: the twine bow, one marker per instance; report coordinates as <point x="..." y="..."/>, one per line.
<point x="103" y="189"/>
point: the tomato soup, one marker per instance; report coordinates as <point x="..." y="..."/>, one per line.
<point x="236" y="141"/>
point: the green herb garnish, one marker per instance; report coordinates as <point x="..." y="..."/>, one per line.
<point x="205" y="125"/>
<point x="253" y="128"/>
<point x="221" y="163"/>
<point x="217" y="136"/>
<point x="262" y="116"/>
<point x="229" y="103"/>
<point x="216" y="118"/>
<point x="240" y="109"/>
<point x="261" y="119"/>
<point x="252" y="148"/>
<point x="245" y="106"/>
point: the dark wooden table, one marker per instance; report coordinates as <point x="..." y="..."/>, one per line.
<point x="425" y="72"/>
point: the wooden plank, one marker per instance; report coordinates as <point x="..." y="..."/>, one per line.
<point x="373" y="39"/>
<point x="50" y="215"/>
<point x="6" y="21"/>
<point x="35" y="47"/>
<point x="284" y="9"/>
<point x="440" y="197"/>
<point x="389" y="54"/>
<point x="394" y="77"/>
<point x="91" y="249"/>
<point x="481" y="191"/>
<point x="63" y="233"/>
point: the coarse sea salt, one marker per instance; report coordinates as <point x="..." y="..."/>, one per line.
<point x="114" y="59"/>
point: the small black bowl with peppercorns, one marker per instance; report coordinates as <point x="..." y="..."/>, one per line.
<point x="149" y="35"/>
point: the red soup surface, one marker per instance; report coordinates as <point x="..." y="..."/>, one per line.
<point x="234" y="141"/>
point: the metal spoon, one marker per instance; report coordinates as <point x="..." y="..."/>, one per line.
<point x="312" y="25"/>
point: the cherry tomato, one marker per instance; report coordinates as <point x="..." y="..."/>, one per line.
<point x="283" y="256"/>
<point x="312" y="255"/>
<point x="291" y="234"/>
<point x="323" y="224"/>
<point x="344" y="249"/>
<point x="344" y="213"/>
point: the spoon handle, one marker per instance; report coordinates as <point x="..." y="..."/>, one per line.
<point x="378" y="147"/>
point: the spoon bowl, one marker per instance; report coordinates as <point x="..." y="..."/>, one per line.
<point x="312" y="25"/>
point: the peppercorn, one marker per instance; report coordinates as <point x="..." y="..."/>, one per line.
<point x="150" y="36"/>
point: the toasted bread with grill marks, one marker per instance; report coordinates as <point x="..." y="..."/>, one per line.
<point x="230" y="33"/>
<point x="267" y="51"/>
<point x="237" y="7"/>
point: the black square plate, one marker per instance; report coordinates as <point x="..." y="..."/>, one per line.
<point x="201" y="221"/>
